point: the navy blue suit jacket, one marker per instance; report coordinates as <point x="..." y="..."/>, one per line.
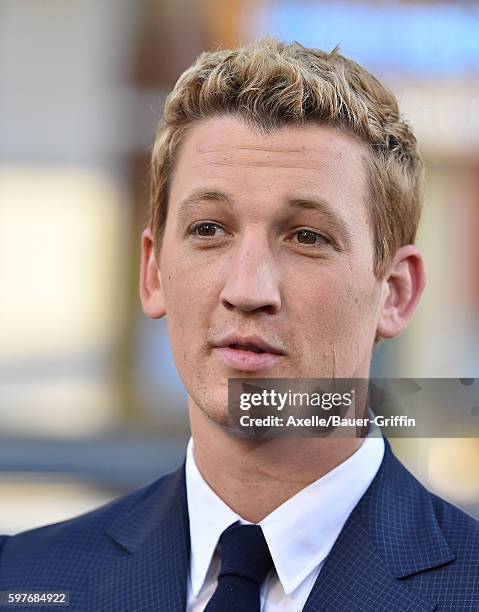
<point x="402" y="549"/>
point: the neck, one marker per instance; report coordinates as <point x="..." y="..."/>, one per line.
<point x="255" y="477"/>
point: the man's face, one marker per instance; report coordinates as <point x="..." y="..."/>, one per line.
<point x="266" y="265"/>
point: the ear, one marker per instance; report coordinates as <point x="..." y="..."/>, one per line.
<point x="403" y="287"/>
<point x="151" y="292"/>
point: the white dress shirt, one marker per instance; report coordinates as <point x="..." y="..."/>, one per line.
<point x="299" y="533"/>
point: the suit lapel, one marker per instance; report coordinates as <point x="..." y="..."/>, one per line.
<point x="390" y="535"/>
<point x="151" y="570"/>
<point x="355" y="579"/>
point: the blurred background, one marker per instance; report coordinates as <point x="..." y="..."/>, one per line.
<point x="90" y="403"/>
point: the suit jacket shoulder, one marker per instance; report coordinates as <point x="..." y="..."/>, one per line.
<point x="62" y="556"/>
<point x="83" y="531"/>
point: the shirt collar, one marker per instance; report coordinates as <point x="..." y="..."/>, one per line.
<point x="209" y="516"/>
<point x="313" y="518"/>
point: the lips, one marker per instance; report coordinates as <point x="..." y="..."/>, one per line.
<point x="249" y="343"/>
<point x="247" y="353"/>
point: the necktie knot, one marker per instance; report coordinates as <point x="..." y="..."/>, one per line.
<point x="245" y="553"/>
<point x="245" y="563"/>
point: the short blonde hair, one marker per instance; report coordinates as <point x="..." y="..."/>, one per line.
<point x="272" y="84"/>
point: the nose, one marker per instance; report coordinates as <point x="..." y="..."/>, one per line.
<point x="252" y="279"/>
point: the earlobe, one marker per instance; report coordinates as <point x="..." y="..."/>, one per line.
<point x="151" y="291"/>
<point x="405" y="283"/>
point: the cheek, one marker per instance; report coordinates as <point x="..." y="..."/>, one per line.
<point x="189" y="292"/>
<point x="335" y="309"/>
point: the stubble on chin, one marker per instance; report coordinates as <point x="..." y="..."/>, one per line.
<point x="212" y="405"/>
<point x="218" y="415"/>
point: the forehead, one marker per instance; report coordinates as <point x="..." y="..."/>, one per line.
<point x="307" y="161"/>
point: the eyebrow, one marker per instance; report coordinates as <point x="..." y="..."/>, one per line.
<point x="195" y="198"/>
<point x="334" y="219"/>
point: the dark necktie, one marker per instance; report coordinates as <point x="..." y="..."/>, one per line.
<point x="245" y="563"/>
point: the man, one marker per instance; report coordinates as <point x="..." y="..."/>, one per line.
<point x="286" y="193"/>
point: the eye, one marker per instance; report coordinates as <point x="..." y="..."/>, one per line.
<point x="310" y="238"/>
<point x="205" y="229"/>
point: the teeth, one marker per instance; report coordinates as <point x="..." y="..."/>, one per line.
<point x="247" y="347"/>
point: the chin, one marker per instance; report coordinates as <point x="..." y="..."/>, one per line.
<point x="212" y="405"/>
<point x="219" y="417"/>
<point x="216" y="413"/>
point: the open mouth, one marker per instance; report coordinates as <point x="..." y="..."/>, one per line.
<point x="247" y="347"/>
